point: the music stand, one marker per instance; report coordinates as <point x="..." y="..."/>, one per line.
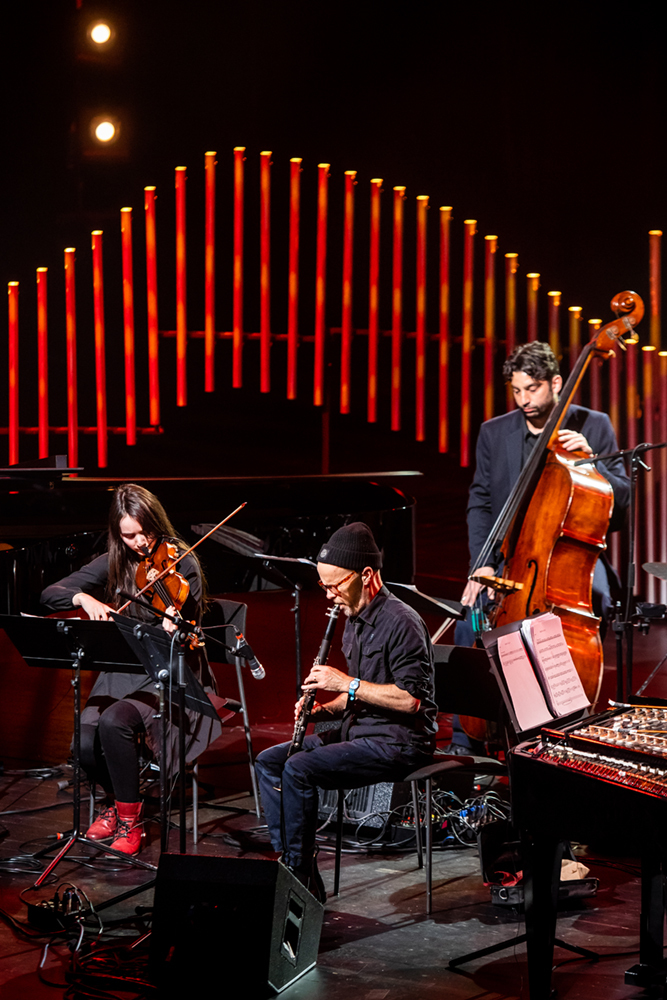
<point x="155" y="649"/>
<point x="78" y="644"/>
<point x="495" y="687"/>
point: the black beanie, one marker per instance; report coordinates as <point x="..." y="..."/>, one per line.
<point x="351" y="547"/>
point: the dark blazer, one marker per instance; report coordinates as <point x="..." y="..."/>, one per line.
<point x="499" y="449"/>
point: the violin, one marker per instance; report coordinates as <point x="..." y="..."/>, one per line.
<point x="162" y="590"/>
<point x="155" y="573"/>
<point x="160" y="565"/>
<point x="162" y="586"/>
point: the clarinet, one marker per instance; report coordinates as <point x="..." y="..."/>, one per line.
<point x="309" y="700"/>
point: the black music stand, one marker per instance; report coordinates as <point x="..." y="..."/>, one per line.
<point x="492" y="684"/>
<point x="155" y="648"/>
<point x="79" y="644"/>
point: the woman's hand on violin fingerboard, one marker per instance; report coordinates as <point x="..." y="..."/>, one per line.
<point x="95" y="610"/>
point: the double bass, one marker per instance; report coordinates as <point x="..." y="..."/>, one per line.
<point x="553" y="526"/>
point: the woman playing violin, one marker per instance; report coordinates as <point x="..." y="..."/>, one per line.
<point x="121" y="705"/>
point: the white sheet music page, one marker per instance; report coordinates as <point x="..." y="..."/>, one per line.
<point x="544" y="637"/>
<point x="530" y="707"/>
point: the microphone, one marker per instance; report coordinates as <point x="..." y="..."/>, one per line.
<point x="245" y="652"/>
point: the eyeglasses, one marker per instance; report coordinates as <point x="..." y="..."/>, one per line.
<point x="335" y="587"/>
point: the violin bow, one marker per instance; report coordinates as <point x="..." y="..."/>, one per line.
<point x="187" y="552"/>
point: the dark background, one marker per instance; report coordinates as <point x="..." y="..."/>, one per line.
<point x="544" y="123"/>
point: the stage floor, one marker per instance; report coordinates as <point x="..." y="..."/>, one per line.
<point x="377" y="941"/>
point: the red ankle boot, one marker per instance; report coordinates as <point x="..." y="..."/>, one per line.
<point x="130" y="828"/>
<point x="105" y="824"/>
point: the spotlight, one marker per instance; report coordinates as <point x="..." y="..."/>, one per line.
<point x="105" y="129"/>
<point x="101" y="33"/>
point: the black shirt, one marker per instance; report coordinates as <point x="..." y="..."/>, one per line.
<point x="387" y="643"/>
<point x="529" y="442"/>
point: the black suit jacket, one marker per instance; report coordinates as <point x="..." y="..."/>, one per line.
<point x="499" y="450"/>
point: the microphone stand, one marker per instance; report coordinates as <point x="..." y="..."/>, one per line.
<point x="622" y="624"/>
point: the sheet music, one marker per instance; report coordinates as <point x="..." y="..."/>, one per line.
<point x="528" y="700"/>
<point x="544" y="637"/>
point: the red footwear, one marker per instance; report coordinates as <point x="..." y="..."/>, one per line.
<point x="104" y="826"/>
<point x="130" y="827"/>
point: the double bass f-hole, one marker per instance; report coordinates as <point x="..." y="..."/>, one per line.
<point x="531" y="562"/>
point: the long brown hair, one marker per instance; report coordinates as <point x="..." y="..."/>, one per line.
<point x="130" y="500"/>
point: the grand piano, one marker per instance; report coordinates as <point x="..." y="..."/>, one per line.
<point x="53" y="523"/>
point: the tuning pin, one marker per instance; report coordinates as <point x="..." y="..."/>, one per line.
<point x="621" y="343"/>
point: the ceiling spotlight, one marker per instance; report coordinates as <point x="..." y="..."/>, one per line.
<point x="100" y="33"/>
<point x="105" y="129"/>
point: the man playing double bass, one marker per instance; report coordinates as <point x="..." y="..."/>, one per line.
<point x="505" y="444"/>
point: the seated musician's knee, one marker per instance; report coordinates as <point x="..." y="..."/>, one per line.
<point x="120" y="719"/>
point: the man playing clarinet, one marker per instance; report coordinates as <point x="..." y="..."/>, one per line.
<point x="385" y="700"/>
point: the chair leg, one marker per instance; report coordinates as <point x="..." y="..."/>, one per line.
<point x="248" y="739"/>
<point x="428" y="818"/>
<point x="91" y="804"/>
<point x="195" y="801"/>
<point x="339" y="840"/>
<point x="418" y="823"/>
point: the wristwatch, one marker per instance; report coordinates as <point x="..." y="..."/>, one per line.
<point x="352" y="690"/>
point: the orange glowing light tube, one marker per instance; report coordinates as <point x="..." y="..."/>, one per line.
<point x="397" y="309"/>
<point x="662" y="436"/>
<point x="443" y="331"/>
<point x="614" y="416"/>
<point x="632" y="405"/>
<point x="596" y="364"/>
<point x="265" y="271"/>
<point x="70" y="329"/>
<point x="614" y="396"/>
<point x="320" y="282"/>
<point x="293" y="278"/>
<point x="128" y="327"/>
<point x="42" y="362"/>
<point x="574" y="334"/>
<point x="237" y="307"/>
<point x="13" y="310"/>
<point x="181" y="292"/>
<point x="100" y="358"/>
<point x="533" y="280"/>
<point x="655" y="241"/>
<point x="209" y="273"/>
<point x="151" y="308"/>
<point x="511" y="268"/>
<point x="490" y="249"/>
<point x="467" y="338"/>
<point x="648" y="358"/>
<point x="554" y="322"/>
<point x="420" y="326"/>
<point x="346" y="318"/>
<point x="374" y="301"/>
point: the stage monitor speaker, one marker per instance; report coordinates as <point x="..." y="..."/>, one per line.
<point x="246" y="924"/>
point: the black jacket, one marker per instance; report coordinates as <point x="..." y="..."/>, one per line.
<point x="499" y="451"/>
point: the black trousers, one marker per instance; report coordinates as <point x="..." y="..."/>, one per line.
<point x="109" y="751"/>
